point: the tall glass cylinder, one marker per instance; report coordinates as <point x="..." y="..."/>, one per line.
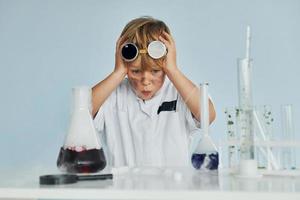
<point x="245" y="83"/>
<point x="245" y="109"/>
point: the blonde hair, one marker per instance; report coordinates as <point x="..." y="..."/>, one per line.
<point x="142" y="31"/>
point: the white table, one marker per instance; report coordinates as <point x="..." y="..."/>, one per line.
<point x="157" y="184"/>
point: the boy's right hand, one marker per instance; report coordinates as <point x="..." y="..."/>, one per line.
<point x="120" y="66"/>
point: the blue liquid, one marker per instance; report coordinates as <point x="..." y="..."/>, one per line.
<point x="208" y="161"/>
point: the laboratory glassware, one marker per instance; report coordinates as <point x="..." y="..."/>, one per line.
<point x="233" y="148"/>
<point x="245" y="109"/>
<point x="288" y="153"/>
<point x="82" y="151"/>
<point x="206" y="155"/>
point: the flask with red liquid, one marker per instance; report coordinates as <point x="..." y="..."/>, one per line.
<point x="82" y="151"/>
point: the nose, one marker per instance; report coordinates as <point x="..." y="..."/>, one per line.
<point x="146" y="78"/>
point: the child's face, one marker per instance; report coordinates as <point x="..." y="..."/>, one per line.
<point x="145" y="82"/>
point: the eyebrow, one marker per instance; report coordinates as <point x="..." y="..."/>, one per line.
<point x="134" y="67"/>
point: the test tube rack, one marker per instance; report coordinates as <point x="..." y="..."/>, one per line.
<point x="270" y="153"/>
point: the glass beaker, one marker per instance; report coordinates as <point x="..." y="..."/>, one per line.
<point x="82" y="151"/>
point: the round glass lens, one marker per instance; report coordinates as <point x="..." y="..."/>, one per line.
<point x="157" y="49"/>
<point x="129" y="51"/>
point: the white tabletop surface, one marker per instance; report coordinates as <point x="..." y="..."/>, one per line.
<point x="151" y="183"/>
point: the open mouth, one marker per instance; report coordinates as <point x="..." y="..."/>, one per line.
<point x="146" y="93"/>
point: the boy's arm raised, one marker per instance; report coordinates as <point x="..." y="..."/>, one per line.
<point x="103" y="89"/>
<point x="188" y="91"/>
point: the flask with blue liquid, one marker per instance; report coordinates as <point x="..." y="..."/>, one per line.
<point x="205" y="155"/>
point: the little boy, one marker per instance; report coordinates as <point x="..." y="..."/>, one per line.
<point x="147" y="117"/>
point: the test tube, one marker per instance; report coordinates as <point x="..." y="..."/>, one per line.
<point x="268" y="121"/>
<point x="264" y="121"/>
<point x="261" y="159"/>
<point x="231" y="136"/>
<point x="288" y="134"/>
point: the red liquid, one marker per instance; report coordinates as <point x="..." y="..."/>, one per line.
<point x="87" y="161"/>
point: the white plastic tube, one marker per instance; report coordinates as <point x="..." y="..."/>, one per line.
<point x="206" y="144"/>
<point x="248" y="42"/>
<point x="204" y="108"/>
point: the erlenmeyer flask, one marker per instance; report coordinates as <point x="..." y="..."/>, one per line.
<point x="82" y="150"/>
<point x="205" y="155"/>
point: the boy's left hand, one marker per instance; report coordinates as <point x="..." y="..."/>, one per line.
<point x="170" y="62"/>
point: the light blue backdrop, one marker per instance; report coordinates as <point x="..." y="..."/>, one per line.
<point x="47" y="47"/>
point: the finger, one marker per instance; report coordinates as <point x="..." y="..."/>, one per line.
<point x="118" y="43"/>
<point x="166" y="42"/>
<point x="118" y="48"/>
<point x="162" y="38"/>
<point x="168" y="36"/>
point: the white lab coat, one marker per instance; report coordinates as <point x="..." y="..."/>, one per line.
<point x="135" y="134"/>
